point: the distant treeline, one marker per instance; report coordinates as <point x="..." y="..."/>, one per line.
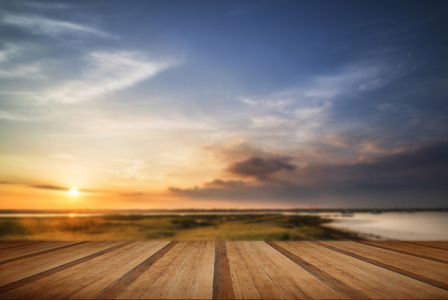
<point x="176" y="211"/>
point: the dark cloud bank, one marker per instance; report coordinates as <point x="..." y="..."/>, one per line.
<point x="417" y="178"/>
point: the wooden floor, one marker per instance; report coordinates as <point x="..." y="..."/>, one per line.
<point x="220" y="270"/>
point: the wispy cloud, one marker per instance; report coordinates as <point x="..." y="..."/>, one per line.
<point x="347" y="82"/>
<point x="5" y="115"/>
<point x="31" y="71"/>
<point x="304" y="109"/>
<point x="108" y="72"/>
<point x="10" y="68"/>
<point x="8" y="52"/>
<point x="54" y="28"/>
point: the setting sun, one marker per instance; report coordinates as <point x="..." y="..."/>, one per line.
<point x="74" y="192"/>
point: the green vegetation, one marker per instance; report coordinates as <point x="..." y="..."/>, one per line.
<point x="170" y="227"/>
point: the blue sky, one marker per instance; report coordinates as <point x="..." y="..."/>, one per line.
<point x="224" y="103"/>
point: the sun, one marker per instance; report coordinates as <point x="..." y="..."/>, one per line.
<point x="74" y="192"/>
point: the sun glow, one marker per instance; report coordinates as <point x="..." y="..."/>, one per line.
<point x="74" y="192"/>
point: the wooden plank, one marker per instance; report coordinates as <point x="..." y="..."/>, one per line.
<point x="433" y="273"/>
<point x="243" y="283"/>
<point x="183" y="280"/>
<point x="337" y="285"/>
<point x="222" y="281"/>
<point x="87" y="280"/>
<point x="186" y="278"/>
<point x="155" y="281"/>
<point x="18" y="270"/>
<point x="266" y="288"/>
<point x="308" y="284"/>
<point x="284" y="285"/>
<point x="58" y="285"/>
<point x="412" y="249"/>
<point x="14" y="244"/>
<point x="113" y="288"/>
<point x="202" y="286"/>
<point x="369" y="279"/>
<point x="10" y="255"/>
<point x="436" y="244"/>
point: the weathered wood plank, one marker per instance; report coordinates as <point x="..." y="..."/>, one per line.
<point x="154" y="283"/>
<point x="9" y="255"/>
<point x="202" y="286"/>
<point x="197" y="270"/>
<point x="436" y="244"/>
<point x="434" y="273"/>
<point x="331" y="281"/>
<point x="243" y="283"/>
<point x="412" y="249"/>
<point x="371" y="280"/>
<point x="87" y="280"/>
<point x="293" y="281"/>
<point x="63" y="283"/>
<point x="120" y="282"/>
<point x="14" y="244"/>
<point x="25" y="272"/>
<point x="222" y="281"/>
<point x="181" y="286"/>
<point x="266" y="288"/>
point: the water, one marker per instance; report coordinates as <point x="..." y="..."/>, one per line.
<point x="423" y="226"/>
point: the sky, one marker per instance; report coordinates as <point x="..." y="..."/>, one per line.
<point x="223" y="104"/>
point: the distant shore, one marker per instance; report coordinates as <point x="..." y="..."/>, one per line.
<point x="194" y="227"/>
<point x="212" y="211"/>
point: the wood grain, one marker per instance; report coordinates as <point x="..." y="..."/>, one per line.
<point x="10" y="255"/>
<point x="412" y="249"/>
<point x="36" y="269"/>
<point x="373" y="281"/>
<point x="223" y="270"/>
<point x="434" y="244"/>
<point x="222" y="281"/>
<point x="331" y="281"/>
<point x="434" y="274"/>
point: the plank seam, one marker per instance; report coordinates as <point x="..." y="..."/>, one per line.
<point x="329" y="280"/>
<point x="386" y="266"/>
<point x="429" y="246"/>
<point x="222" y="281"/>
<point x="13" y="285"/>
<point x="270" y="278"/>
<point x="38" y="253"/>
<point x="403" y="251"/>
<point x="22" y="244"/>
<point x="114" y="288"/>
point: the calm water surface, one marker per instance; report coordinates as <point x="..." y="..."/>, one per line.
<point x="424" y="226"/>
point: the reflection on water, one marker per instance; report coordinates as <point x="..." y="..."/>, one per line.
<point x="398" y="226"/>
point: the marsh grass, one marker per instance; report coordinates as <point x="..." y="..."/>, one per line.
<point x="169" y="227"/>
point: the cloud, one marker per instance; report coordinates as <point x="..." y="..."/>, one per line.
<point x="387" y="180"/>
<point x="108" y="72"/>
<point x="347" y="82"/>
<point x="219" y="183"/>
<point x="302" y="111"/>
<point x="5" y="115"/>
<point x="31" y="71"/>
<point x="49" y="187"/>
<point x="54" y="28"/>
<point x="10" y="69"/>
<point x="9" y="51"/>
<point x="260" y="168"/>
